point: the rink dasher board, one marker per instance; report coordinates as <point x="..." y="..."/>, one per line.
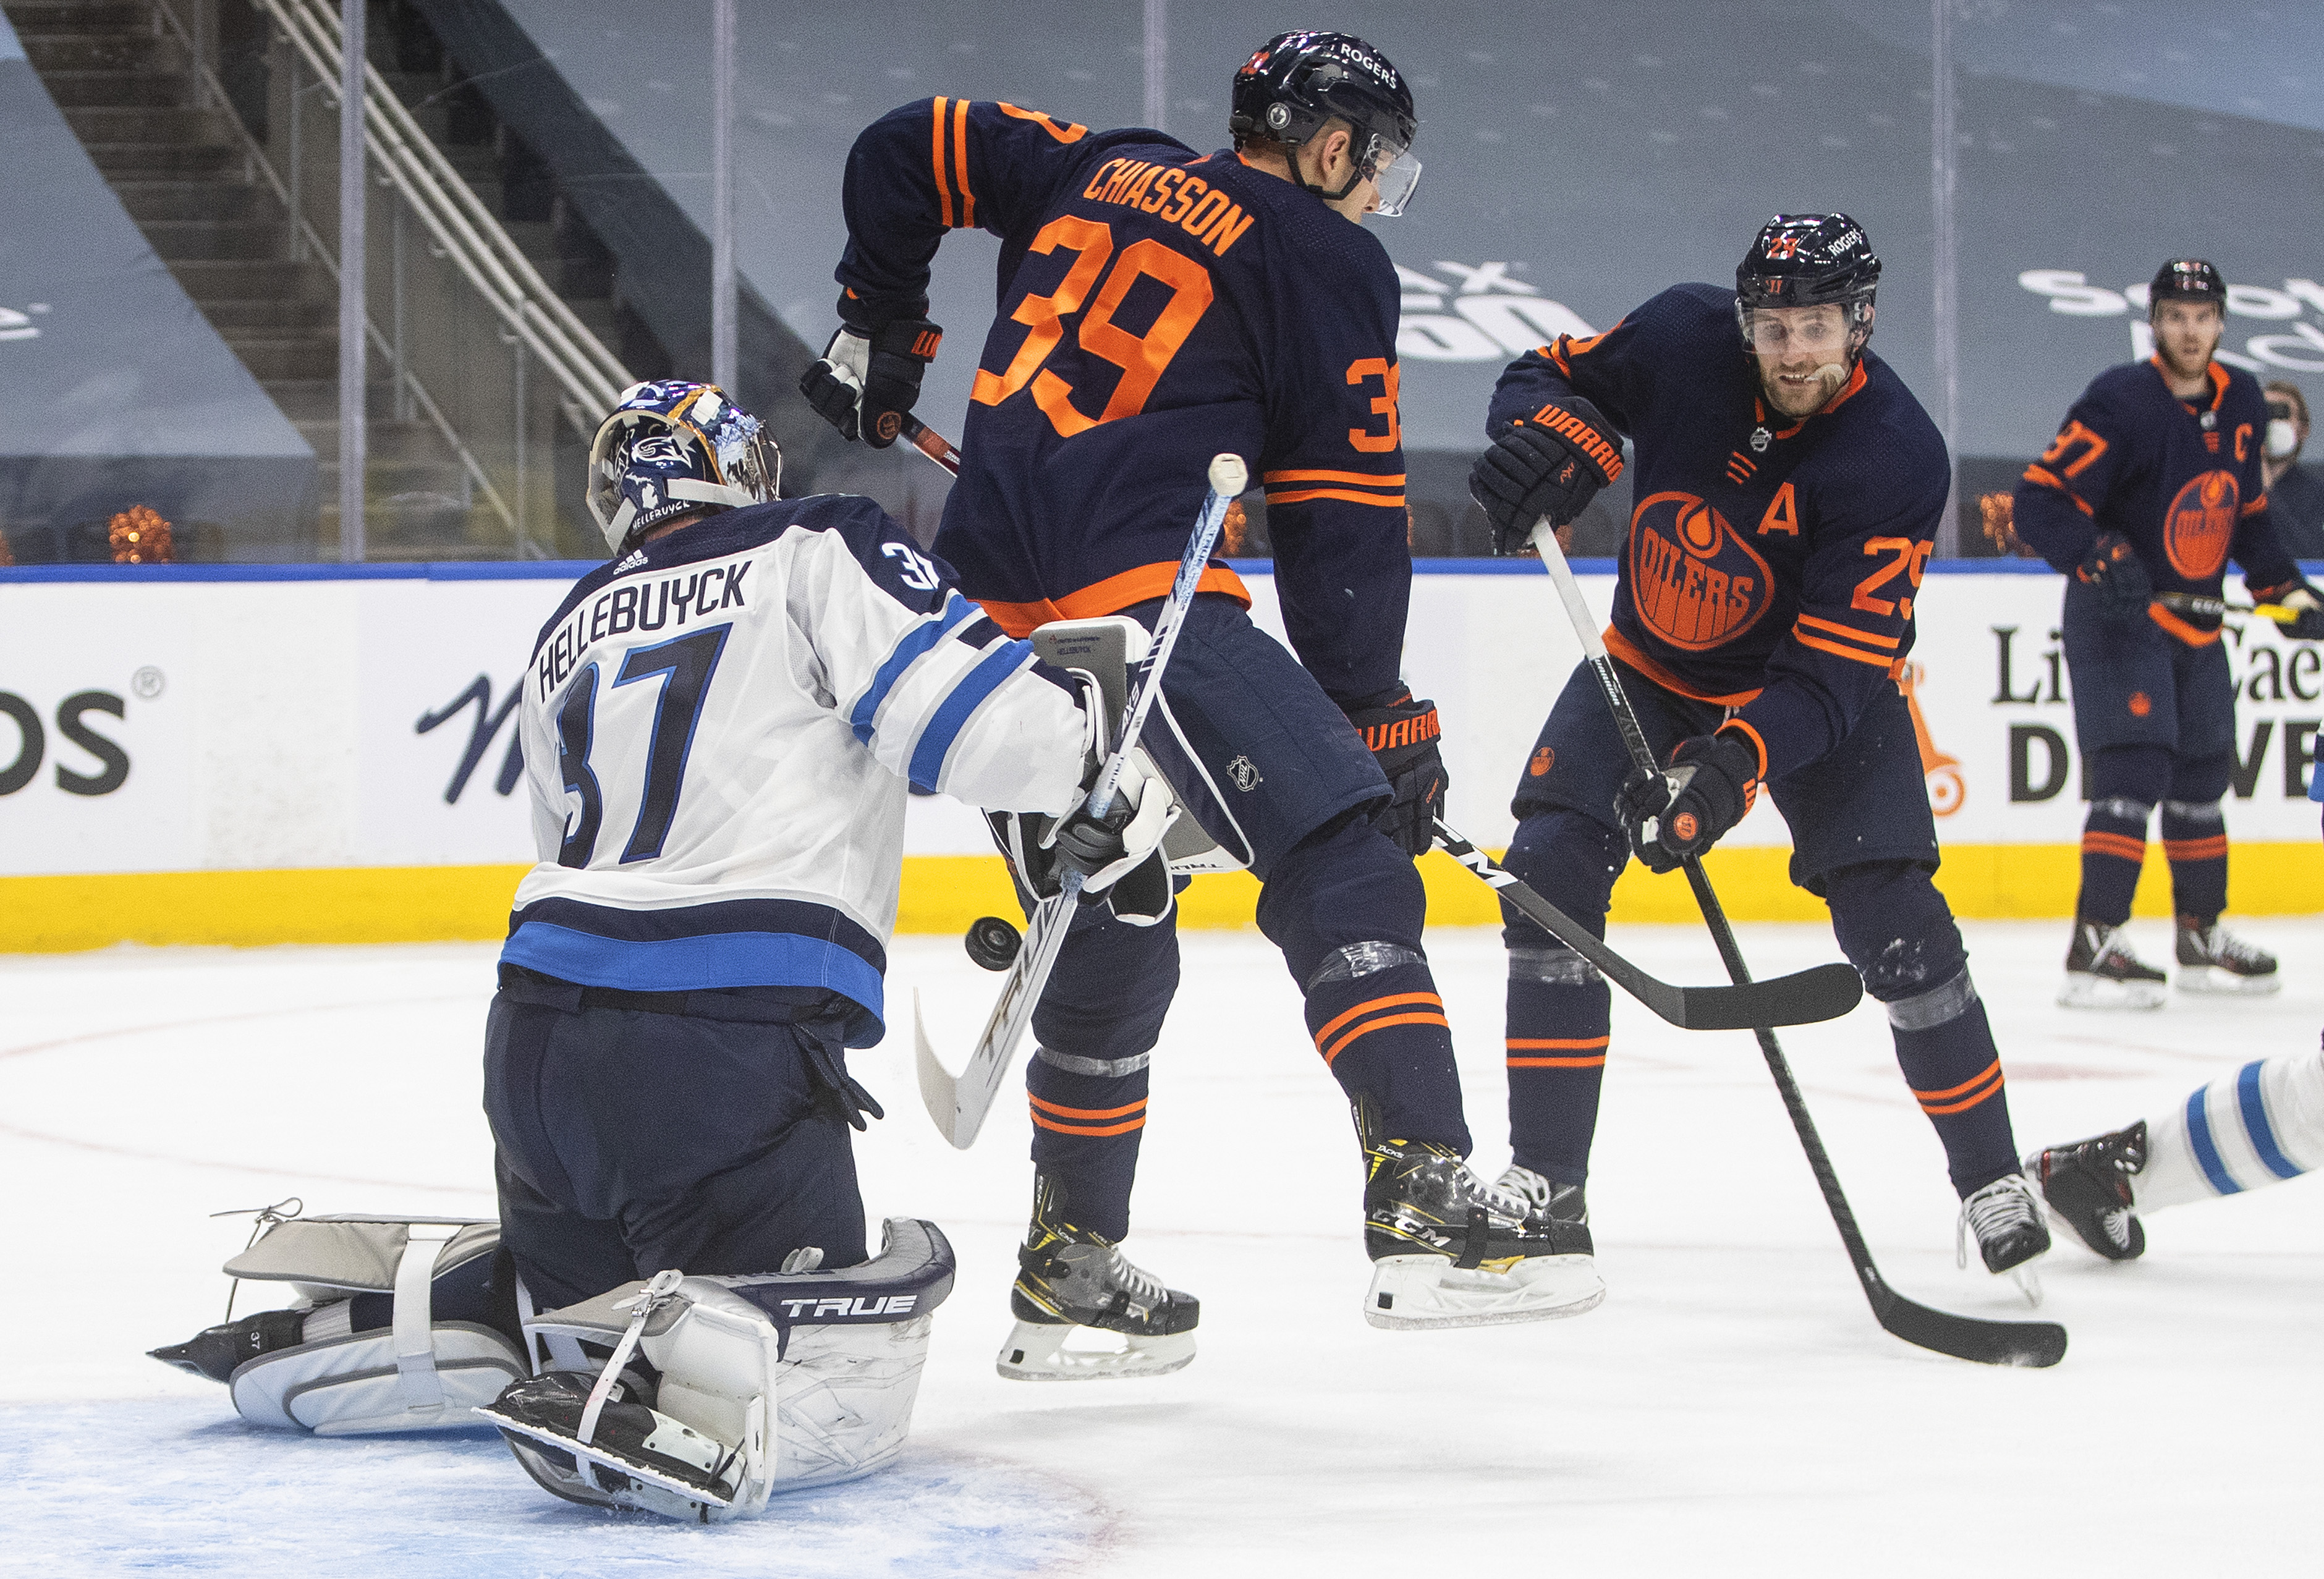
<point x="303" y="730"/>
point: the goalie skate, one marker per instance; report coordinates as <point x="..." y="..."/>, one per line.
<point x="637" y="1458"/>
<point x="1086" y="1312"/>
<point x="1449" y="1250"/>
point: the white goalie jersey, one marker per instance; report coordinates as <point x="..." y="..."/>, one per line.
<point x="718" y="731"/>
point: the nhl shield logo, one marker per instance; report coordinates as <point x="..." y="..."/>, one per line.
<point x="1245" y="775"/>
<point x="1760" y="440"/>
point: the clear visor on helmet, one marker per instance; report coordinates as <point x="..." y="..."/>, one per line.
<point x="1822" y="330"/>
<point x="1394" y="172"/>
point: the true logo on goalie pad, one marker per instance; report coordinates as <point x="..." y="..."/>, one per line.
<point x="886" y="1309"/>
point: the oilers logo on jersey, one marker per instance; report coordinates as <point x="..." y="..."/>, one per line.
<point x="1698" y="582"/>
<point x="2200" y="523"/>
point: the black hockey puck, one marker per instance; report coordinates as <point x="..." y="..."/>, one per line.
<point x="992" y="943"/>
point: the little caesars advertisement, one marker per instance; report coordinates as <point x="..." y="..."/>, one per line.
<point x="251" y="724"/>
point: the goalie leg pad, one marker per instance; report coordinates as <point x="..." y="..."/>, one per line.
<point x="770" y="1381"/>
<point x="419" y="1374"/>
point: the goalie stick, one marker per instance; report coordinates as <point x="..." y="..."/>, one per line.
<point x="1989" y="1343"/>
<point x="1826" y="991"/>
<point x="958" y="1104"/>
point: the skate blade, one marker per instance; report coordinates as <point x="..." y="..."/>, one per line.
<point x="2083" y="990"/>
<point x="2028" y="1281"/>
<point x="1410" y="1293"/>
<point x="1038" y="1352"/>
<point x="2212" y="982"/>
<point x="642" y="1473"/>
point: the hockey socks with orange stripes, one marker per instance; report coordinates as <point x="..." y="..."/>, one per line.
<point x="2124" y="782"/>
<point x="1898" y="932"/>
<point x="2195" y="838"/>
<point x="1088" y="1117"/>
<point x="1559" y="1010"/>
<point x="1376" y="1020"/>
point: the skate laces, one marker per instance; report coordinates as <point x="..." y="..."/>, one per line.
<point x="1525" y="1185"/>
<point x="1143" y="1285"/>
<point x="2005" y="1202"/>
<point x="2223" y="945"/>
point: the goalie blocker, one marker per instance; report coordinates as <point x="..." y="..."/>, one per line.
<point x="759" y="1383"/>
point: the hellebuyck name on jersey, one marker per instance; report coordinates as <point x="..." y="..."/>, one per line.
<point x="666" y="603"/>
<point x="718" y="740"/>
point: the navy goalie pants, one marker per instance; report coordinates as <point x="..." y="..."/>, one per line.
<point x="633" y="1140"/>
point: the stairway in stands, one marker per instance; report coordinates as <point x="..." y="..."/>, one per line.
<point x="125" y="84"/>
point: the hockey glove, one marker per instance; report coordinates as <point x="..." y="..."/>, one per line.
<point x="1401" y="735"/>
<point x="1119" y="855"/>
<point x="866" y="382"/>
<point x="1670" y="816"/>
<point x="1552" y="463"/>
<point x="2302" y="598"/>
<point x="2114" y="572"/>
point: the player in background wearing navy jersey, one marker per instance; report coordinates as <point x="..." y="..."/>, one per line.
<point x="2258" y="1127"/>
<point x="2154" y="483"/>
<point x="1788" y="489"/>
<point x="1157" y="306"/>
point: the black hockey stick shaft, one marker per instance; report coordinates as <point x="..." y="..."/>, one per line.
<point x="2188" y="603"/>
<point x="1825" y="991"/>
<point x="1991" y="1342"/>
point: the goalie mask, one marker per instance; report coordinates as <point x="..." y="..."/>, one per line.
<point x="670" y="448"/>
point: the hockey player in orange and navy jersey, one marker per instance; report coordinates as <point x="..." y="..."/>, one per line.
<point x="1156" y="307"/>
<point x="1788" y="489"/>
<point x="2154" y="483"/>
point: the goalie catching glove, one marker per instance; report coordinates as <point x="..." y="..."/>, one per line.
<point x="1550" y="463"/>
<point x="869" y="378"/>
<point x="1673" y="816"/>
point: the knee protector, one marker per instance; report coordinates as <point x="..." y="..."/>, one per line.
<point x="2138" y="775"/>
<point x="417" y="1375"/>
<point x="773" y="1380"/>
<point x="1895" y="930"/>
<point x="2199" y="783"/>
<point x="1571" y="861"/>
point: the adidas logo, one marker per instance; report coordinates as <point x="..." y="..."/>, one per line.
<point x="637" y="558"/>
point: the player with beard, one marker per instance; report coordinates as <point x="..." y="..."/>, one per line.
<point x="2154" y="484"/>
<point x="1788" y="493"/>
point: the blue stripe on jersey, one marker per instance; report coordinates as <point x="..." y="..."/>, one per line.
<point x="908" y="651"/>
<point x="2255" y="1125"/>
<point x="681" y="964"/>
<point x="952" y="717"/>
<point x="2207" y="1155"/>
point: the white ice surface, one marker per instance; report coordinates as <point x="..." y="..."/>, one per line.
<point x="1731" y="1409"/>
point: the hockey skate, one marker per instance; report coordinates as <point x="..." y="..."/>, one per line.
<point x="1070" y="1280"/>
<point x="2103" y="973"/>
<point x="634" y="1456"/>
<point x="2087" y="1187"/>
<point x="216" y="1351"/>
<point x="2211" y="959"/>
<point x="1564" y="1202"/>
<point x="2010" y="1233"/>
<point x="1449" y="1250"/>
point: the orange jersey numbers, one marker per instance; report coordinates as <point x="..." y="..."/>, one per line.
<point x="1361" y="372"/>
<point x="1141" y="357"/>
<point x="2069" y="439"/>
<point x="1903" y="555"/>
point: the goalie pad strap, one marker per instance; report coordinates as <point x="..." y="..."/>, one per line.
<point x="414" y="1327"/>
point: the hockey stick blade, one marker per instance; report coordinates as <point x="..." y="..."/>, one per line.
<point x="2034" y="1345"/>
<point x="1826" y="991"/>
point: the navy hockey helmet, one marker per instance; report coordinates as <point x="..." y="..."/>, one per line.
<point x="672" y="447"/>
<point x="1298" y="81"/>
<point x="2186" y="280"/>
<point x="1809" y="260"/>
